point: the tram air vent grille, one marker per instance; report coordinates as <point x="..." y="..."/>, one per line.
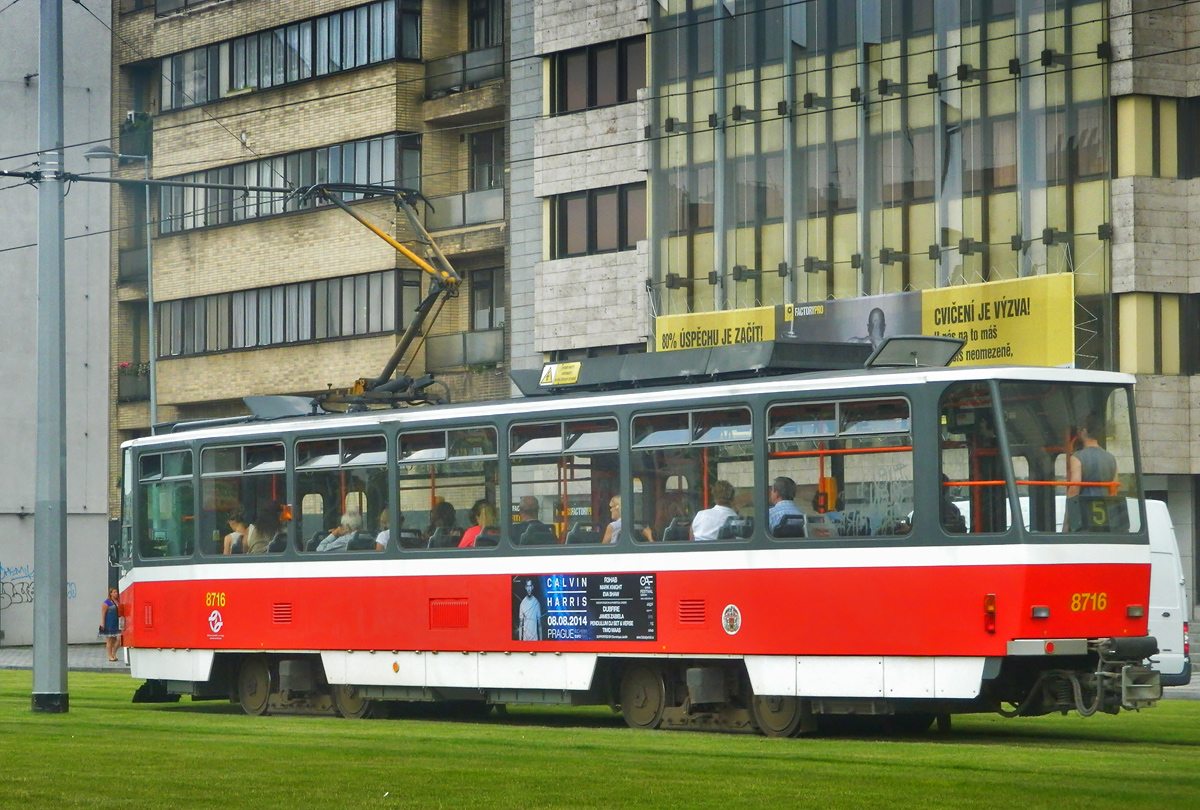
<point x="281" y="613"/>
<point x="691" y="611"/>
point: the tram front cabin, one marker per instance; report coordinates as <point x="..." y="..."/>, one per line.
<point x="928" y="572"/>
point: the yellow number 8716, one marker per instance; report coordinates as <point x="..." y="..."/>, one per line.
<point x="1088" y="601"/>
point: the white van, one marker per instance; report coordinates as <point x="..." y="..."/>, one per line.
<point x="1168" y="609"/>
<point x="1168" y="601"/>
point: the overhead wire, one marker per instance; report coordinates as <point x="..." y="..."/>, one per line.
<point x="219" y="119"/>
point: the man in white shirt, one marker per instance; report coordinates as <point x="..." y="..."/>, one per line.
<point x="708" y="522"/>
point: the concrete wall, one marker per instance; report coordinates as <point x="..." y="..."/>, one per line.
<point x="86" y="102"/>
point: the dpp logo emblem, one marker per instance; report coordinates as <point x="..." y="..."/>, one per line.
<point x="215" y="622"/>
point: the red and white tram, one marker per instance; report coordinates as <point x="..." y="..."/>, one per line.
<point x="917" y="568"/>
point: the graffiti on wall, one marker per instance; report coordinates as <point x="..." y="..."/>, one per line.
<point x="16" y="586"/>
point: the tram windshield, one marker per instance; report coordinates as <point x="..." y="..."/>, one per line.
<point x="1070" y="452"/>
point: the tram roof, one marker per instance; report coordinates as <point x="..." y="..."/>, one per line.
<point x="802" y="382"/>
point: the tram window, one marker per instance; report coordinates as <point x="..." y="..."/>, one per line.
<point x="342" y="486"/>
<point x="221" y="459"/>
<point x="437" y="492"/>
<point x="416" y="447"/>
<point x="1058" y="434"/>
<point x="263" y="458"/>
<point x="808" y="420"/>
<point x="564" y="476"/>
<point x="241" y="481"/>
<point x="849" y="466"/>
<point x="973" y="498"/>
<point x="166" y="527"/>
<point x="677" y="461"/>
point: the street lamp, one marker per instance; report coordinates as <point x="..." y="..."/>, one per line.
<point x="107" y="153"/>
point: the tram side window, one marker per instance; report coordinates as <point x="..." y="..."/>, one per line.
<point x="564" y="478"/>
<point x="685" y="463"/>
<point x="442" y="476"/>
<point x="850" y="465"/>
<point x="1072" y="455"/>
<point x="243" y="499"/>
<point x="342" y="487"/>
<point x="167" y="526"/>
<point x="973" y="496"/>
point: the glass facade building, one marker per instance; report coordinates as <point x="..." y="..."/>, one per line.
<point x="835" y="149"/>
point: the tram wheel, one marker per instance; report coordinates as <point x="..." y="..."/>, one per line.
<point x="776" y="715"/>
<point x="349" y="703"/>
<point x="254" y="685"/>
<point x="643" y="697"/>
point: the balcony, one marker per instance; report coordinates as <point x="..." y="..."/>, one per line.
<point x="466" y="208"/>
<point x="465" y="87"/>
<point x="483" y="348"/>
<point x="132" y="388"/>
<point x="137" y="136"/>
<point x="131" y="265"/>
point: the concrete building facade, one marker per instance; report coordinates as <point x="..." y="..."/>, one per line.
<point x="86" y="122"/>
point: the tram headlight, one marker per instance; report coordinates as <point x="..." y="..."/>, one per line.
<point x="1135" y="611"/>
<point x="1041" y="612"/>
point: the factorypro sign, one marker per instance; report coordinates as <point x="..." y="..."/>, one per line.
<point x="1028" y="321"/>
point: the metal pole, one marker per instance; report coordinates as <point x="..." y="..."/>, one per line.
<point x="50" y="524"/>
<point x="150" y="303"/>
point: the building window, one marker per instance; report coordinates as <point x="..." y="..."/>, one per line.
<point x="599" y="75"/>
<point x="486" y="159"/>
<point x="485" y="23"/>
<point x="367" y="304"/>
<point x="487" y="299"/>
<point x="386" y="160"/>
<point x="365" y="35"/>
<point x="600" y="220"/>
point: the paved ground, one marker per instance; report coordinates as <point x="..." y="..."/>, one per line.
<point x="80" y="658"/>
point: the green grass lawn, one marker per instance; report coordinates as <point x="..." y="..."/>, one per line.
<point x="108" y="752"/>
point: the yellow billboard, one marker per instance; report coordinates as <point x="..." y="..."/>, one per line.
<point x="1026" y="321"/>
<point x="707" y="330"/>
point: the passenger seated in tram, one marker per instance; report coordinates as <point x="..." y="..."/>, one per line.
<point x="236" y="539"/>
<point x="530" y="530"/>
<point x="613" y="530"/>
<point x="385" y="533"/>
<point x="784" y="518"/>
<point x="485" y="519"/>
<point x="267" y="526"/>
<point x="707" y="523"/>
<point x="443" y="531"/>
<point x="340" y="537"/>
<point x="952" y="517"/>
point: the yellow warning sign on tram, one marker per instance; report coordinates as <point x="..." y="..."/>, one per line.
<point x="560" y="374"/>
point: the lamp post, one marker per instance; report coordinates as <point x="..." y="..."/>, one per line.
<point x="106" y="153"/>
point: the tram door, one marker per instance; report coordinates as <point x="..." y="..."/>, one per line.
<point x="974" y="495"/>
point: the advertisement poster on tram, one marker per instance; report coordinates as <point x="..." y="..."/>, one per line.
<point x="1026" y="321"/>
<point x="583" y="607"/>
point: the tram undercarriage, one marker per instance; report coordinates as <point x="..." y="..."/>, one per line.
<point x="700" y="694"/>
